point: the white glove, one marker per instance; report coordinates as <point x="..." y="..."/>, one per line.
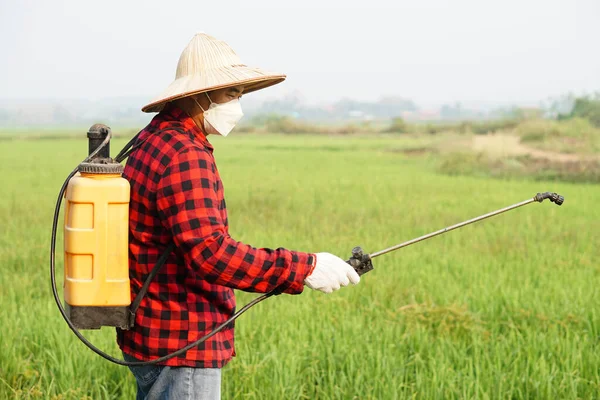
<point x="330" y="273"/>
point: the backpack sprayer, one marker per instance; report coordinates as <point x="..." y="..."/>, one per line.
<point x="96" y="232"/>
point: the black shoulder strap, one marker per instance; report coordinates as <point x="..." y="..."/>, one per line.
<point x="133" y="144"/>
<point x="135" y="304"/>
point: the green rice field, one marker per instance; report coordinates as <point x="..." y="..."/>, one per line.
<point x="508" y="308"/>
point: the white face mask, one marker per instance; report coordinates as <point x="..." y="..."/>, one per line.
<point x="221" y="118"/>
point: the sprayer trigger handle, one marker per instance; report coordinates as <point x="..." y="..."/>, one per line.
<point x="360" y="262"/>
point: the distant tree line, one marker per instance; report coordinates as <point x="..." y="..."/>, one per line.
<point x="579" y="108"/>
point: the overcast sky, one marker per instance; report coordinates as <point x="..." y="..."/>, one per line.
<point x="431" y="51"/>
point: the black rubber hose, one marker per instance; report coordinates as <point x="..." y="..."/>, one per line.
<point x="96" y="350"/>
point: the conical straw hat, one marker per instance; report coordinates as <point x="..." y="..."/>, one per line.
<point x="209" y="64"/>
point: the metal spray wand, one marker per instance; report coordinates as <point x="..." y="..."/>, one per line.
<point x="362" y="262"/>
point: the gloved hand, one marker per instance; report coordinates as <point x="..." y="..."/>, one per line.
<point x="330" y="273"/>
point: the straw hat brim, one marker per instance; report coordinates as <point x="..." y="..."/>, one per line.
<point x="212" y="79"/>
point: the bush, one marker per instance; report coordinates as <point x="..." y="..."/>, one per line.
<point x="570" y="136"/>
<point x="398" y="126"/>
<point x="485" y="127"/>
<point x="285" y="124"/>
<point x="281" y="124"/>
<point x="538" y="130"/>
<point x="473" y="164"/>
<point x="585" y="107"/>
<point x="476" y="127"/>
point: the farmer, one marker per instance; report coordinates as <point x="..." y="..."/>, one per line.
<point x="177" y="197"/>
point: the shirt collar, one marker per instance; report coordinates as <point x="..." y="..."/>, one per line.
<point x="173" y="114"/>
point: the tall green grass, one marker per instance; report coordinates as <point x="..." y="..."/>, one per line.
<point x="506" y="308"/>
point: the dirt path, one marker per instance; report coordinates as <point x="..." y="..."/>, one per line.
<point x="498" y="145"/>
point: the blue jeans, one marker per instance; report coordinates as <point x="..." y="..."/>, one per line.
<point x="160" y="382"/>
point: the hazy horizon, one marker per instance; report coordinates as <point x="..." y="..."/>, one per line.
<point x="433" y="52"/>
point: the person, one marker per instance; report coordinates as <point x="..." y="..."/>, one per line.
<point x="177" y="197"/>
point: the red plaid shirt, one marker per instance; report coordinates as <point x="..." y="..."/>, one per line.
<point x="177" y="196"/>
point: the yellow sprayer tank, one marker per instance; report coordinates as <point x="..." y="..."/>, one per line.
<point x="96" y="284"/>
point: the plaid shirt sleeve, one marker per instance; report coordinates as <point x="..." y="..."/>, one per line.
<point x="190" y="205"/>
